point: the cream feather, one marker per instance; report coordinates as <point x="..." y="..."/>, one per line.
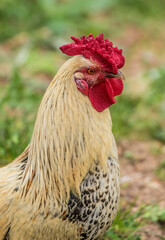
<point x="69" y="139"/>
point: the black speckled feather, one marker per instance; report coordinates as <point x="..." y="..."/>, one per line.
<point x="98" y="205"/>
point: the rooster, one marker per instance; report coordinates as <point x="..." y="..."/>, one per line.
<point x="65" y="185"/>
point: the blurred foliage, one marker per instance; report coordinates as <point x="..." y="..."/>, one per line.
<point x="64" y="17"/>
<point x="127" y="225"/>
<point x="154" y="213"/>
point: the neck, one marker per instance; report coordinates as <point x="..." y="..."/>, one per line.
<point x="70" y="139"/>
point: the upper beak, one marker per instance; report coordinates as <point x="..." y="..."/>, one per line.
<point x="115" y="75"/>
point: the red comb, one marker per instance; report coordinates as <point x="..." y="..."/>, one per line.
<point x="100" y="50"/>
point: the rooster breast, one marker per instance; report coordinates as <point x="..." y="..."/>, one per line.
<point x="98" y="205"/>
<point x="84" y="218"/>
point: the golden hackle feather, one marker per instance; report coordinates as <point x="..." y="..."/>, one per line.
<point x="69" y="139"/>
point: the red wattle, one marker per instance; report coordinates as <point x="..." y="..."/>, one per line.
<point x="116" y="84"/>
<point x="101" y="96"/>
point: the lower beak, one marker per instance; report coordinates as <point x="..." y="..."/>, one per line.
<point x="115" y="75"/>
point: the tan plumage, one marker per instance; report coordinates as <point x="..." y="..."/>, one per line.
<point x="70" y="139"/>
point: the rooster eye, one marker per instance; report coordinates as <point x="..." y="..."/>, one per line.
<point x="90" y="71"/>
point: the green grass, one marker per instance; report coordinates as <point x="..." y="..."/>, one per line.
<point x="127" y="225"/>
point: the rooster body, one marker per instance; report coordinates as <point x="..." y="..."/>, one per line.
<point x="65" y="185"/>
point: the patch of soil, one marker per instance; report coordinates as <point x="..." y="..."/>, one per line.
<point x="139" y="183"/>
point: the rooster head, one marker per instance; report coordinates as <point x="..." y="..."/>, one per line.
<point x="101" y="80"/>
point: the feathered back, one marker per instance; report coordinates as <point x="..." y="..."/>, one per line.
<point x="9" y="184"/>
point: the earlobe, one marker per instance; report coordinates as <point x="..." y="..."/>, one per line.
<point x="82" y="86"/>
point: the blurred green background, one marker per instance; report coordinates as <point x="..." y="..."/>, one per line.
<point x="30" y="35"/>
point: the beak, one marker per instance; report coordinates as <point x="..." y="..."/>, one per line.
<point x="115" y="75"/>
